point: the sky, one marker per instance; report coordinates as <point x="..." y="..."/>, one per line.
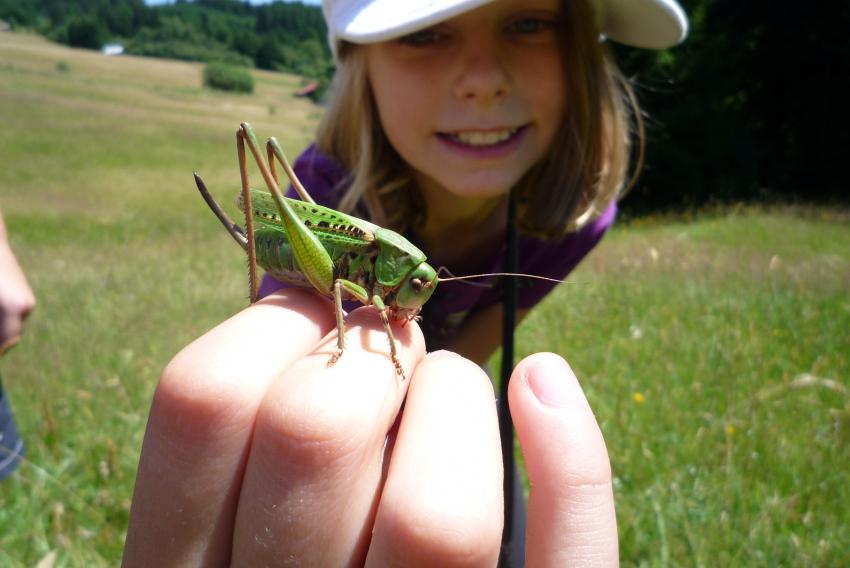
<point x="155" y="2"/>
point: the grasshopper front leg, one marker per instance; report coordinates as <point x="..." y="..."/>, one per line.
<point x="382" y="311"/>
<point x="360" y="294"/>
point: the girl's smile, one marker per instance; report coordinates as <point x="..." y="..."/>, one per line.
<point x="473" y="103"/>
<point x="482" y="144"/>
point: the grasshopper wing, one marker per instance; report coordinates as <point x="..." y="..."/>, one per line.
<point x="330" y="226"/>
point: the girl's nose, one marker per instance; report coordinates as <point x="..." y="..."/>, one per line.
<point x="482" y="75"/>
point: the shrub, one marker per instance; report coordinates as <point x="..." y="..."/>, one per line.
<point x="228" y="78"/>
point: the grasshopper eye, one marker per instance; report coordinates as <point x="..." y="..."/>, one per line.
<point x="416" y="284"/>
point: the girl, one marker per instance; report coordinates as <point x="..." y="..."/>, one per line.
<point x="443" y="111"/>
<point x="429" y="133"/>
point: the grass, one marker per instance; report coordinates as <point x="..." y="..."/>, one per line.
<point x="715" y="354"/>
<point x="714" y="350"/>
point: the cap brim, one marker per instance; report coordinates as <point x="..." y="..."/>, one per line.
<point x="382" y="20"/>
<point x="652" y="24"/>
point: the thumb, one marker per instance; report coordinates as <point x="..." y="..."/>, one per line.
<point x="571" y="518"/>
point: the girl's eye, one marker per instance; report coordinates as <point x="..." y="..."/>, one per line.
<point x="531" y="26"/>
<point x="422" y="38"/>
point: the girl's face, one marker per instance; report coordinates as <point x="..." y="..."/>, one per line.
<point x="472" y="103"/>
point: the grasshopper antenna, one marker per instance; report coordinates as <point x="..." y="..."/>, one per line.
<point x="235" y="230"/>
<point x="514" y="274"/>
<point x="461" y="278"/>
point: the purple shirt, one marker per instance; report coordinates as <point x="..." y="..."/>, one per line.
<point x="454" y="302"/>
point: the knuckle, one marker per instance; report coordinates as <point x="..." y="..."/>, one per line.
<point x="18" y="308"/>
<point x="203" y="398"/>
<point x="309" y="433"/>
<point x="446" y="535"/>
<point x="444" y="373"/>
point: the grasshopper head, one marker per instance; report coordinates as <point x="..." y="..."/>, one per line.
<point x="415" y="289"/>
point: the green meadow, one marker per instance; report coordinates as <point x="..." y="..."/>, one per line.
<point x="714" y="347"/>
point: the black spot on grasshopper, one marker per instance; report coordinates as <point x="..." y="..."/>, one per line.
<point x="324" y="224"/>
<point x="265" y="215"/>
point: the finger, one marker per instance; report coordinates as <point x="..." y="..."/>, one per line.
<point x="200" y="426"/>
<point x="16" y="298"/>
<point x="442" y="502"/>
<point x="315" y="469"/>
<point x="571" y="517"/>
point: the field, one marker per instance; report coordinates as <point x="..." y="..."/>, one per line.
<point x="714" y="348"/>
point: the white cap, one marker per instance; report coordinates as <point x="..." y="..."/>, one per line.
<point x="653" y="24"/>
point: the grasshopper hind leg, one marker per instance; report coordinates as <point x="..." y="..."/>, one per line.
<point x="253" y="277"/>
<point x="340" y="324"/>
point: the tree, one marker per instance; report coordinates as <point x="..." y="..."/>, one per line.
<point x="748" y="108"/>
<point x="85" y="31"/>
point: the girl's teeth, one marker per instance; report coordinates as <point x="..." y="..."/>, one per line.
<point x="484" y="138"/>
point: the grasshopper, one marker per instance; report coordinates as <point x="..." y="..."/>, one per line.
<point x="315" y="247"/>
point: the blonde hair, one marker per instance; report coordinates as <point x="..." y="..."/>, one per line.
<point x="584" y="171"/>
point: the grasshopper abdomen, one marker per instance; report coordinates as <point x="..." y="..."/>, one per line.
<point x="276" y="257"/>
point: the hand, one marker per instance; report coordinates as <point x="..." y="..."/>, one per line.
<point x="16" y="297"/>
<point x="257" y="453"/>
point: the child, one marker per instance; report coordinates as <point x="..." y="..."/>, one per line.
<point x="16" y="303"/>
<point x="428" y="133"/>
<point x="442" y="112"/>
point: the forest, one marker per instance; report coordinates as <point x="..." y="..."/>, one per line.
<point x="746" y="109"/>
<point x="285" y="36"/>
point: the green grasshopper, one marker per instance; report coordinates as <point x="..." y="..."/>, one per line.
<point x="309" y="246"/>
<point x="315" y="247"/>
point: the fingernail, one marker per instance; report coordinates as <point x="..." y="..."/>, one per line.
<point x="550" y="379"/>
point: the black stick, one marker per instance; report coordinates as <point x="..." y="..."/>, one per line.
<point x="506" y="426"/>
